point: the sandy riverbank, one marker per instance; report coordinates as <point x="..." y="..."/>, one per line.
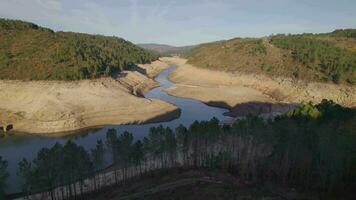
<point x="244" y="93"/>
<point x="45" y="107"/>
<point x="156" y="67"/>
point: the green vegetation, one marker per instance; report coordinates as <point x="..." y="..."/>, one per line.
<point x="349" y="33"/>
<point x="30" y="52"/>
<point x="3" y="176"/>
<point x="193" y="184"/>
<point x="238" y="54"/>
<point x="312" y="149"/>
<point x="338" y="65"/>
<point x="327" y="57"/>
<point x="165" y="50"/>
<point x="59" y="165"/>
<point x="97" y="155"/>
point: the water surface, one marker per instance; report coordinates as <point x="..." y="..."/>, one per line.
<point x="14" y="148"/>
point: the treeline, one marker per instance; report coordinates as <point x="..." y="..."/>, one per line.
<point x="337" y="64"/>
<point x="60" y="165"/>
<point x="30" y="52"/>
<point x="248" y="55"/>
<point x="312" y="148"/>
<point x="325" y="57"/>
<point x="8" y="25"/>
<point x="250" y="46"/>
<point x="349" y="33"/>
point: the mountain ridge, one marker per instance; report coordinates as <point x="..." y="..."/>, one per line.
<point x="328" y="57"/>
<point x="164" y="48"/>
<point x="32" y="52"/>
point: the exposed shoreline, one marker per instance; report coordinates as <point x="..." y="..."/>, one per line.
<point x="59" y="107"/>
<point x="251" y="94"/>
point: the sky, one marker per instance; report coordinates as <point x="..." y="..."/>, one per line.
<point x="184" y="22"/>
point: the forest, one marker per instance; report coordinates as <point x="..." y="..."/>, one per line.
<point x="311" y="148"/>
<point x="338" y="65"/>
<point x="30" y="52"/>
<point x="325" y="57"/>
<point x="349" y="33"/>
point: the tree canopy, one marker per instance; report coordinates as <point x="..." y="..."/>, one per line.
<point x="337" y="64"/>
<point x="350" y="33"/>
<point x="30" y="52"/>
<point x="329" y="57"/>
<point x="310" y="148"/>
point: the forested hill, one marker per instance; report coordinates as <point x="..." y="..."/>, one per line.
<point x="30" y="52"/>
<point x="329" y="57"/>
<point x="165" y="49"/>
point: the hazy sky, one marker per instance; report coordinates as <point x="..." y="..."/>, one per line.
<point x="184" y="22"/>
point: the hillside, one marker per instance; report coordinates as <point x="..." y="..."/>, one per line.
<point x="251" y="92"/>
<point x="30" y="52"/>
<point x="165" y="49"/>
<point x="329" y="57"/>
<point x="197" y="184"/>
<point x="284" y="158"/>
<point x="62" y="107"/>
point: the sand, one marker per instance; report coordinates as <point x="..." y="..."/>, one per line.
<point x="45" y="107"/>
<point x="154" y="68"/>
<point x="48" y="107"/>
<point x="244" y="91"/>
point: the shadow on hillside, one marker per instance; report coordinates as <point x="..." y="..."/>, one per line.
<point x="138" y="69"/>
<point x="120" y="74"/>
<point x="254" y="108"/>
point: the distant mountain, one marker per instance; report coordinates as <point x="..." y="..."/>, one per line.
<point x="31" y="52"/>
<point x="163" y="48"/>
<point x="326" y="57"/>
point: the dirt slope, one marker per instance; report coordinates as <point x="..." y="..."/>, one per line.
<point x="154" y="68"/>
<point x="57" y="106"/>
<point x="324" y="58"/>
<point x="232" y="89"/>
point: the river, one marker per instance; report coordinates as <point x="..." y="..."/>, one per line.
<point x="15" y="148"/>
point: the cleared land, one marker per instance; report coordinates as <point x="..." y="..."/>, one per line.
<point x="58" y="106"/>
<point x="195" y="184"/>
<point x="245" y="93"/>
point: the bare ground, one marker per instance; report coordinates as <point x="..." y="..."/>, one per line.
<point x="45" y="107"/>
<point x="233" y="90"/>
<point x="198" y="184"/>
<point x="153" y="69"/>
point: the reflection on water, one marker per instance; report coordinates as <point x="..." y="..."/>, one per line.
<point x="18" y="146"/>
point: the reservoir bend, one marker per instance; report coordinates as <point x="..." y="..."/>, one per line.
<point x="15" y="148"/>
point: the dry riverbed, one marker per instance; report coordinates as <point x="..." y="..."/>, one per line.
<point x="246" y="93"/>
<point x="156" y="67"/>
<point x="45" y="107"/>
